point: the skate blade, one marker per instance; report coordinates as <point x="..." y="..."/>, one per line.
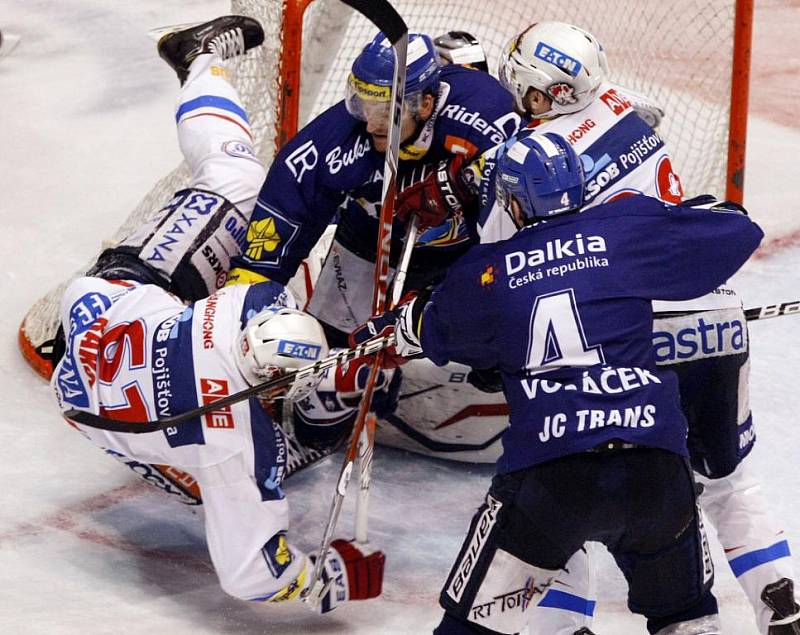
<point x="159" y="32"/>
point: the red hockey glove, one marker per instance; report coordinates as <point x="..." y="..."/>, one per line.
<point x="437" y="197"/>
<point x="348" y="574"/>
<point x="364" y="571"/>
<point x="350" y="379"/>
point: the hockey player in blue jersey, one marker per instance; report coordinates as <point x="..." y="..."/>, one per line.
<point x="334" y="166"/>
<point x="596" y="447"/>
<point x="333" y="169"/>
<point x="704" y="340"/>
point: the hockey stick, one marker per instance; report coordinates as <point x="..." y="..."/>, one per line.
<point x="772" y="310"/>
<point x="367" y="440"/>
<point x="369" y="347"/>
<point x="755" y="313"/>
<point x="384" y="16"/>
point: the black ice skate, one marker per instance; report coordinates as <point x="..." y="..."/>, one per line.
<point x="779" y="596"/>
<point x="583" y="631"/>
<point x="227" y="36"/>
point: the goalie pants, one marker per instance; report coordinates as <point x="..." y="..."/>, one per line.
<point x="639" y="502"/>
<point x="186" y="246"/>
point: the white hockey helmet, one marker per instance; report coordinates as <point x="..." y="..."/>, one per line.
<point x="461" y="48"/>
<point x="280" y="339"/>
<point x="564" y="62"/>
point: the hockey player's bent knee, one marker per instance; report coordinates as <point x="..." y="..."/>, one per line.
<point x="678" y="577"/>
<point x="488" y="586"/>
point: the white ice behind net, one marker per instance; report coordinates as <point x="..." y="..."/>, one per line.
<point x="677" y="53"/>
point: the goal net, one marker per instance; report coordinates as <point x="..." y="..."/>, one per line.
<point x="680" y="54"/>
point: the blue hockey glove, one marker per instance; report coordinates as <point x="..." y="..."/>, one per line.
<point x="398" y="321"/>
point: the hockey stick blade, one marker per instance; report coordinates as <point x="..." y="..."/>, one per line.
<point x="369" y="347"/>
<point x="773" y="310"/>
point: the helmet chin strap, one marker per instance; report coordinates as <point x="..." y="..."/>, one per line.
<point x="419" y="124"/>
<point x="419" y="142"/>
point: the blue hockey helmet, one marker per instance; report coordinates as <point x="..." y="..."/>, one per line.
<point x="370" y="80"/>
<point x="543" y="173"/>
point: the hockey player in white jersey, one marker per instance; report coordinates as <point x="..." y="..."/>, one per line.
<point x="135" y="352"/>
<point x="556" y="73"/>
<point x="132" y="349"/>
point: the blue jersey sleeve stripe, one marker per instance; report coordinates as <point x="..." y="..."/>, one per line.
<point x="742" y="564"/>
<point x="211" y="101"/>
<point x="568" y="602"/>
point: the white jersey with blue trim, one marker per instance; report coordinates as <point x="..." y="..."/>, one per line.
<point x="135" y="352"/>
<point x="623" y="156"/>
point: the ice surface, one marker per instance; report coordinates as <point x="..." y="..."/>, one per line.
<point x="86" y="128"/>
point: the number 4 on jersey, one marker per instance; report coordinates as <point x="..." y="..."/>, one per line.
<point x="556" y="338"/>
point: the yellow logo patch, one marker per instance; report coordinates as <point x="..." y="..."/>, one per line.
<point x="262" y="236"/>
<point x="219" y="71"/>
<point x="291" y="590"/>
<point x="369" y="92"/>
<point x="282" y="554"/>
<point x="487" y="277"/>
